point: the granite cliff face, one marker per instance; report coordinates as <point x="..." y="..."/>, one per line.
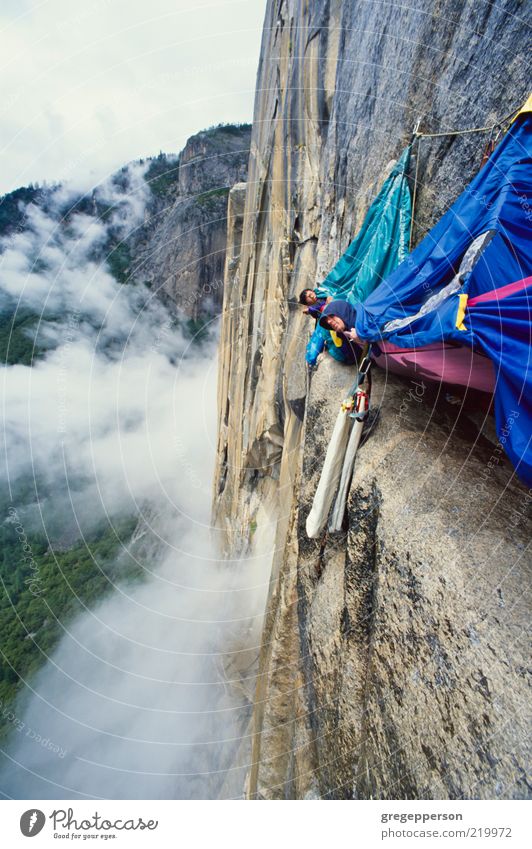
<point x="180" y="250"/>
<point x="393" y="660"/>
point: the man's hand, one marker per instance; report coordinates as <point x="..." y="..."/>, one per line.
<point x="352" y="336"/>
<point x="305" y="310"/>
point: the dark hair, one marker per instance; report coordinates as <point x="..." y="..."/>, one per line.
<point x="303" y="296"/>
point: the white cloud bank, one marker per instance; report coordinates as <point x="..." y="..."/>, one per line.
<point x="148" y="694"/>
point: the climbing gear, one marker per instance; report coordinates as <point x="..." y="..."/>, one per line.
<point x="365" y="364"/>
<point x="340" y="457"/>
<point x="423" y="302"/>
<point x="354" y="405"/>
<point x="359" y="416"/>
<point x="330" y="476"/>
<point x="362" y="370"/>
<point x="361" y="407"/>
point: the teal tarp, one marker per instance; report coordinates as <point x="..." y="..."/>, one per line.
<point x="377" y="249"/>
<point x="380" y="244"/>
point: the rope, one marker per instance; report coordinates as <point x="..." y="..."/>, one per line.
<point x="414" y="195"/>
<point x="456" y="132"/>
<point x="417" y="136"/>
<point x="491" y="127"/>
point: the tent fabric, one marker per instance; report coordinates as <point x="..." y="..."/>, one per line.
<point x="497" y="325"/>
<point x="498" y="201"/>
<point x="381" y="243"/>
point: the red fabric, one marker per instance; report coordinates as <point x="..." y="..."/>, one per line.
<point x="459" y="366"/>
<point x="503" y="292"/>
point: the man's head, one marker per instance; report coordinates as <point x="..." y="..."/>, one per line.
<point x="333" y="322"/>
<point x="308" y="297"/>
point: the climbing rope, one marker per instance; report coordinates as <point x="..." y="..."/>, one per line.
<point x="414" y="196"/>
<point x="417" y="135"/>
<point x="490" y="146"/>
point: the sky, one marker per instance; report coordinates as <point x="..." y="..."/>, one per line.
<point x="91" y="85"/>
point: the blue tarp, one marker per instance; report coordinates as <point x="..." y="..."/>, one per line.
<point x="497" y="317"/>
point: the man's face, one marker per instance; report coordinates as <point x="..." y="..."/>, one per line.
<point x="311" y="298"/>
<point x="335" y="323"/>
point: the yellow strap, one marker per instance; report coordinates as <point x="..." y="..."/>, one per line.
<point x="336" y="339"/>
<point x="527" y="107"/>
<point x="461" y="312"/>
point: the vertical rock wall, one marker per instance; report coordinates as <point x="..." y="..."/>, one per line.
<point x="180" y="250"/>
<point x="393" y="658"/>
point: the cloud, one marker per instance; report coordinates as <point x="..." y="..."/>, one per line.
<point x="148" y="694"/>
<point x="95" y="85"/>
<point x="55" y="266"/>
<point x="118" y="386"/>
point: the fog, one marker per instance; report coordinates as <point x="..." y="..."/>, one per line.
<point x="148" y="694"/>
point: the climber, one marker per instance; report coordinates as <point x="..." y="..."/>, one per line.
<point x="315" y="301"/>
<point x="339" y="318"/>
